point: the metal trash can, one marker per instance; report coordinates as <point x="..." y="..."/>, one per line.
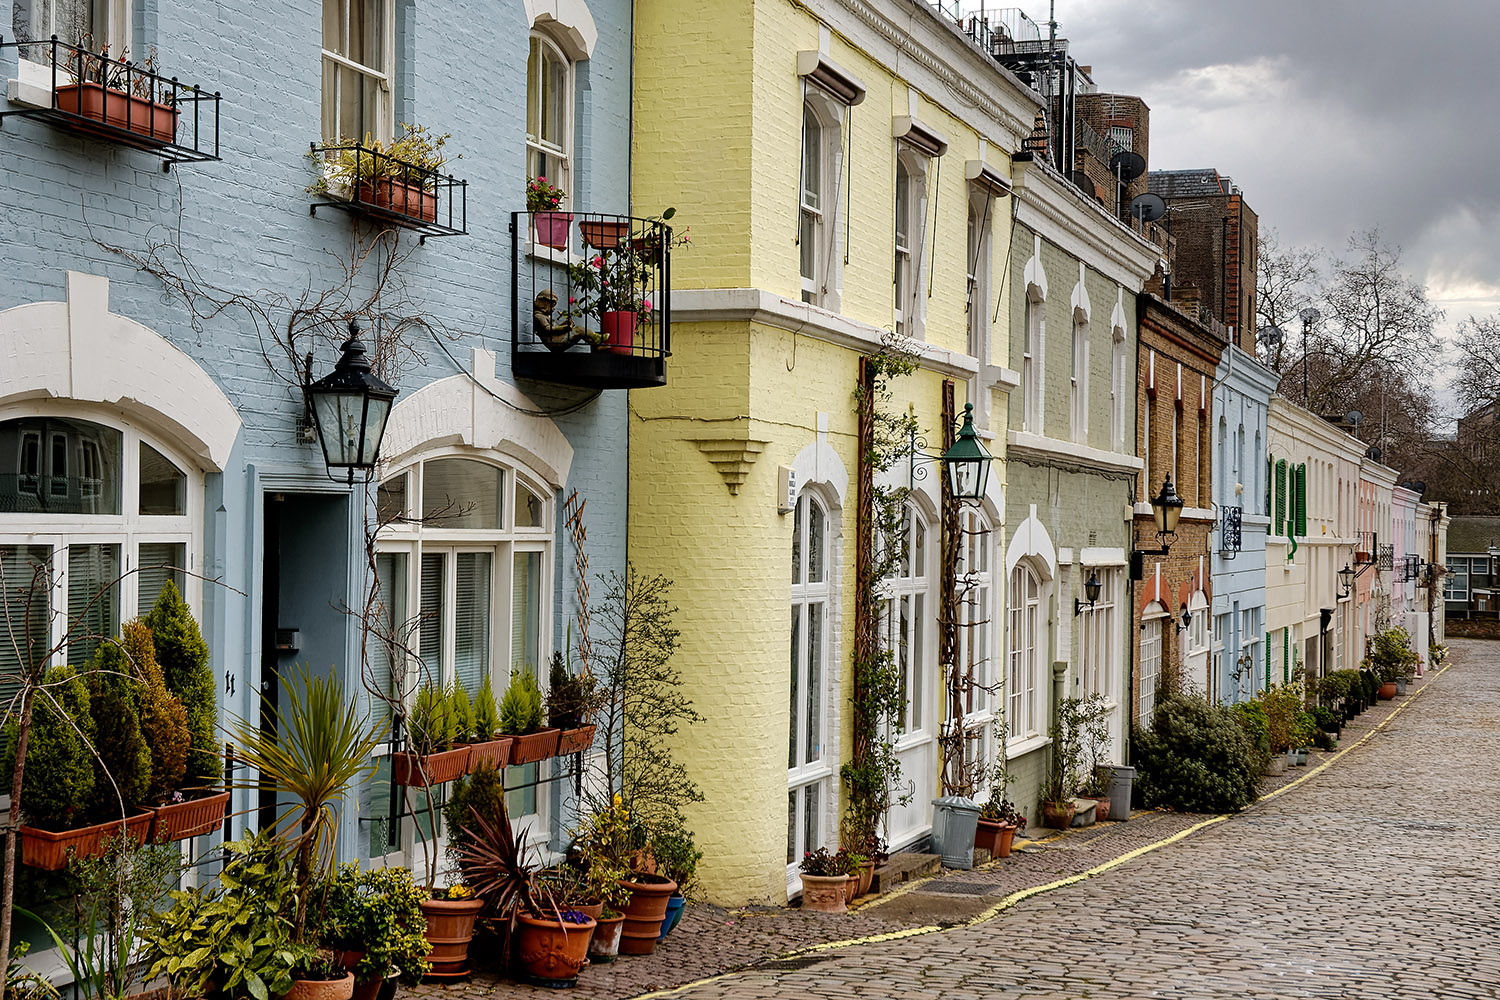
<point x="1119" y="792"/>
<point x="955" y="819"/>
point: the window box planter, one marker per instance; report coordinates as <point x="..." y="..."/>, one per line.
<point x="410" y="200"/>
<point x="432" y="769"/>
<point x="532" y="747"/>
<point x="604" y="234"/>
<point x="552" y="229"/>
<point x="648" y="908"/>
<point x="117" y="108"/>
<point x="552" y="951"/>
<point x="495" y="753"/>
<point x="192" y="818"/>
<point x="574" y="740"/>
<point x="48" y="850"/>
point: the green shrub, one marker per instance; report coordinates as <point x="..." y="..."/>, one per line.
<point x="1251" y="715"/>
<point x="521" y="708"/>
<point x="1304" y="730"/>
<point x="164" y="722"/>
<point x="378" y="912"/>
<point x="483" y="791"/>
<point x="121" y="752"/>
<point x="1195" y="757"/>
<point x="183" y="656"/>
<point x="1281" y="703"/>
<point x="59" y="779"/>
<point x="1324" y="717"/>
<point x="431" y="721"/>
<point x="677" y="856"/>
<point x="461" y="711"/>
<point x="486" y="715"/>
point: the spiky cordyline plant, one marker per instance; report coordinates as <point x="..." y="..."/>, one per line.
<point x="317" y="748"/>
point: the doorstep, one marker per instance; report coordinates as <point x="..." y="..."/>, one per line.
<point x="904" y="867"/>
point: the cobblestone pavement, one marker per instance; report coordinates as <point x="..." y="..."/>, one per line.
<point x="1371" y="876"/>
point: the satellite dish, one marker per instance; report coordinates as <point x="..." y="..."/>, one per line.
<point x="1310" y="315"/>
<point x="1081" y="182"/>
<point x="1270" y="335"/>
<point x="1147" y="207"/>
<point x="1127" y="166"/>
<point x="1373" y="453"/>
<point x="1353" y="417"/>
<point x="1420" y="486"/>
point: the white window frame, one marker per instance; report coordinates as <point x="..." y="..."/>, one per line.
<point x="1033" y="360"/>
<point x="914" y="655"/>
<point x="535" y="145"/>
<point x="1078" y="381"/>
<point x="977" y="626"/>
<point x="1025" y="641"/>
<point x="812" y="775"/>
<point x="128" y="530"/>
<point x="981" y="228"/>
<point x="820" y="218"/>
<point x="1153" y="629"/>
<point x="1098" y="638"/>
<point x="381" y="75"/>
<point x="413" y="538"/>
<point x="909" y="260"/>
<point x="35" y="60"/>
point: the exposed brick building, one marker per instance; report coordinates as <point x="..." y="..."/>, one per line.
<point x="1215" y="233"/>
<point x="1175" y="378"/>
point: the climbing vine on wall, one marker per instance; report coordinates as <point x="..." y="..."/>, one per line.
<point x="873" y="773"/>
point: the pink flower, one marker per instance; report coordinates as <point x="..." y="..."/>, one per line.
<point x="646" y="304"/>
<point x="598" y="261"/>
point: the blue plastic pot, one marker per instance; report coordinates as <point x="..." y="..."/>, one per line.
<point x="674" y="914"/>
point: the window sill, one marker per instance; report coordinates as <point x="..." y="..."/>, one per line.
<point x="1027" y="745"/>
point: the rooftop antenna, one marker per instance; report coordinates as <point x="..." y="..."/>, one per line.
<point x="1309" y="317"/>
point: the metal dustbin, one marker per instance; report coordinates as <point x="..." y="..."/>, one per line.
<point x="955" y="819"/>
<point x="1119" y="791"/>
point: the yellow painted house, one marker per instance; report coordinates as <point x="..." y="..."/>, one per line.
<point x="842" y="169"/>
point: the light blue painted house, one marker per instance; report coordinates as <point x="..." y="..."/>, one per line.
<point x="1242" y="395"/>
<point x="178" y="262"/>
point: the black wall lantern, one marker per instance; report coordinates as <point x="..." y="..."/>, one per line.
<point x="1346" y="582"/>
<point x="1091" y="590"/>
<point x="350" y="407"/>
<point x="1166" y="507"/>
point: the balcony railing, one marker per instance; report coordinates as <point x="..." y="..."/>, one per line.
<point x="1231" y="530"/>
<point x="366" y="181"/>
<point x="124" y="102"/>
<point x="591" y="299"/>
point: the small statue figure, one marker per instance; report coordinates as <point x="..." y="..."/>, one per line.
<point x="557" y="334"/>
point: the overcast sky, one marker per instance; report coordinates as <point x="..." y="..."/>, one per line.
<point x="1331" y="115"/>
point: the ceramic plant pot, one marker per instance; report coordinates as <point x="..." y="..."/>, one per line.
<point x="552" y="951"/>
<point x="866" y="876"/>
<point x="48" y="850"/>
<point x="675" y="905"/>
<point x="604" y="947"/>
<point x="1058" y="815"/>
<point x="825" y="893"/>
<point x="322" y="989"/>
<point x="450" y="928"/>
<point x="552" y="228"/>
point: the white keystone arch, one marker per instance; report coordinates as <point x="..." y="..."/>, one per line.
<point x="1117" y="321"/>
<point x="79" y="350"/>
<point x="459" y="410"/>
<point x="819" y="463"/>
<point x="568" y="21"/>
<point x="1030" y="538"/>
<point x="1079" y="300"/>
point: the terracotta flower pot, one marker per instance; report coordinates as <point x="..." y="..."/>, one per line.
<point x="193" y="818"/>
<point x="645" y="912"/>
<point x="604" y="946"/>
<point x="119" y="109"/>
<point x="48" y="850"/>
<point x="399" y="198"/>
<point x="432" y="769"/>
<point x="450" y="927"/>
<point x="824" y="893"/>
<point x="552" y="228"/>
<point x="1101" y="809"/>
<point x="574" y="740"/>
<point x="552" y="951"/>
<point x="495" y="753"/>
<point x="322" y="989"/>
<point x="531" y="747"/>
<point x="987" y="836"/>
<point x="604" y="234"/>
<point x="1058" y="815"/>
<point x="851" y="888"/>
<point x="866" y="876"/>
<point x="1387" y="690"/>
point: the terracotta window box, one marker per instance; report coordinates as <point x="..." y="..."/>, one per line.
<point x="532" y="747"/>
<point x="574" y="740"/>
<point x="48" y="850"/>
<point x="193" y="818"/>
<point x="431" y="769"/>
<point x="495" y="753"/>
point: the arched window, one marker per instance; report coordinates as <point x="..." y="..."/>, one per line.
<point x="464" y="566"/>
<point x="95" y="518"/>
<point x="549" y="113"/>
<point x="808" y="769"/>
<point x="1026" y="636"/>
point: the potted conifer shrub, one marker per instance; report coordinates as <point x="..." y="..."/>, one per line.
<point x="521" y="719"/>
<point x="571" y="702"/>
<point x="487" y="748"/>
<point x="436" y="756"/>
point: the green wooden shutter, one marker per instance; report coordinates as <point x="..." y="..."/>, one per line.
<point x="1279" y="523"/>
<point x="1270" y="472"/>
<point x="1286" y="655"/>
<point x="1302" y="500"/>
<point x="1268" y="661"/>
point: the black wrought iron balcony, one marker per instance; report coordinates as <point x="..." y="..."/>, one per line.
<point x="368" y="181"/>
<point x="591" y="299"/>
<point x="117" y="100"/>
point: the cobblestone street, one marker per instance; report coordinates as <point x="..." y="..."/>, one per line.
<point x="1375" y="878"/>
